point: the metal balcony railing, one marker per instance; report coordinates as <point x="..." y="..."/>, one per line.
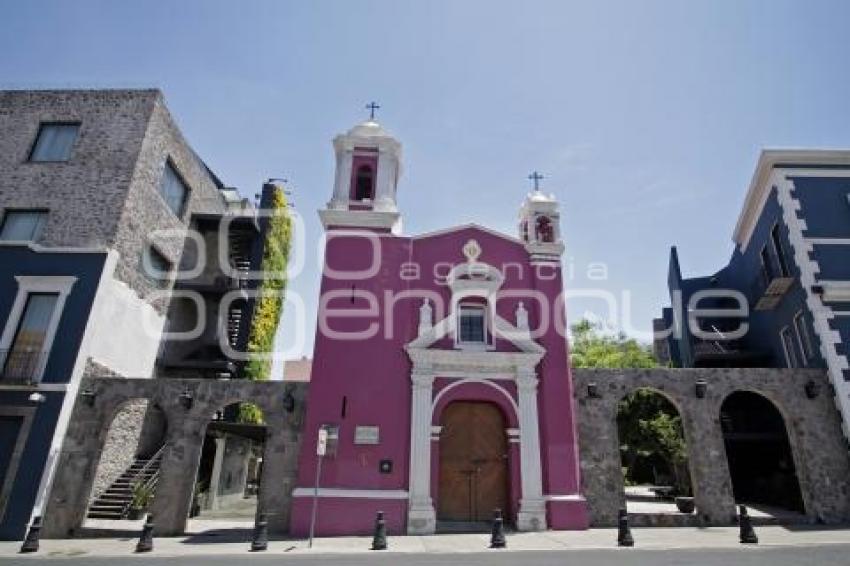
<point x="21" y="365"/>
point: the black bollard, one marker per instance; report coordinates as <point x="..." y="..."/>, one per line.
<point x="379" y="540"/>
<point x="33" y="534"/>
<point x="497" y="534"/>
<point x="624" y="534"/>
<point x="145" y="543"/>
<point x="748" y="535"/>
<point x="260" y="541"/>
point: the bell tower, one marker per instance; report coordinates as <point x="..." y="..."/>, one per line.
<point x="540" y="224"/>
<point x="368" y="166"/>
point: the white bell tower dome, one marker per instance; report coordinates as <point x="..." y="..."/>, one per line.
<point x="368" y="166"/>
<point x="540" y="224"/>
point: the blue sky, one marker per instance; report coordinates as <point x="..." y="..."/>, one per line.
<point x="646" y="117"/>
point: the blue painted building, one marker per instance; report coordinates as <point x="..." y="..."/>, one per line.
<point x="46" y="296"/>
<point x="783" y="300"/>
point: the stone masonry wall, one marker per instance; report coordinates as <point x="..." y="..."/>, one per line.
<point x="86" y="194"/>
<point x="145" y="210"/>
<point x="813" y="425"/>
<point x="88" y="432"/>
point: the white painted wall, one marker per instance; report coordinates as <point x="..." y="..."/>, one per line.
<point x="122" y="341"/>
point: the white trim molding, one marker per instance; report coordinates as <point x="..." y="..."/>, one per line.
<point x="483" y="368"/>
<point x="333" y="492"/>
<point x="27" y="285"/>
<point x="821" y="313"/>
<point x="760" y="187"/>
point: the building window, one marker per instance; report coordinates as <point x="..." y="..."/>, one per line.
<point x="364" y="182"/>
<point x="778" y="250"/>
<point x="54" y="142"/>
<point x="156" y="266"/>
<point x="173" y="189"/>
<point x="22" y="225"/>
<point x="545" y="234"/>
<point x="471" y="325"/>
<point x="788" y="345"/>
<point x="804" y="337"/>
<point x="31" y="327"/>
<point x="766" y="266"/>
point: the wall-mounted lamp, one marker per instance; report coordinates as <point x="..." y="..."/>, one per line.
<point x="37" y="398"/>
<point x="593" y="390"/>
<point x="812" y="389"/>
<point x="700" y="388"/>
<point x="88" y="396"/>
<point x="186" y="399"/>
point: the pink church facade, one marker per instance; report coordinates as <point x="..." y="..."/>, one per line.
<point x="440" y="366"/>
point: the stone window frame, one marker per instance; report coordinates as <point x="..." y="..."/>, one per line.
<point x="804" y="337"/>
<point x="28" y="284"/>
<point x="46" y="123"/>
<point x="27" y="413"/>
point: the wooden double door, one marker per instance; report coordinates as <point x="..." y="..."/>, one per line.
<point x="473" y="463"/>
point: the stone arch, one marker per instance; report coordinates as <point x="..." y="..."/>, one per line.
<point x="761" y="451"/>
<point x="466" y="390"/>
<point x="682" y="480"/>
<point x="131" y="436"/>
<point x="228" y="462"/>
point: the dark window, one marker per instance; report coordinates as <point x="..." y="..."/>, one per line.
<point x="780" y="253"/>
<point x="790" y="351"/>
<point x="23" y="225"/>
<point x="364" y="182"/>
<point x="28" y="345"/>
<point x="156" y="266"/>
<point x="766" y="266"/>
<point x="471" y="325"/>
<point x="803" y="336"/>
<point x="545" y="233"/>
<point x="54" y="142"/>
<point x="173" y="189"/>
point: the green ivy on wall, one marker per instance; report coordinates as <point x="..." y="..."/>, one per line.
<point x="270" y="295"/>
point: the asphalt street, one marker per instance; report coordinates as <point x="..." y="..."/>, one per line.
<point x="828" y="555"/>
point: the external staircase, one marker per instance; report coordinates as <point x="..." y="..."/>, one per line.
<point x="114" y="502"/>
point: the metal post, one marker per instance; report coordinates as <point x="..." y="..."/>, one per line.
<point x="315" y="501"/>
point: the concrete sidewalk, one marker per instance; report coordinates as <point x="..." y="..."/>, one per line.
<point x="236" y="543"/>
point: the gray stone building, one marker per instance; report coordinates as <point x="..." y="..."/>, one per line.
<point x="108" y="174"/>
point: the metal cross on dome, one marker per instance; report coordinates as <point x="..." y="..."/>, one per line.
<point x="536" y="177"/>
<point x="371" y="107"/>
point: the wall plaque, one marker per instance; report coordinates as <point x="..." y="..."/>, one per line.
<point x="366" y="435"/>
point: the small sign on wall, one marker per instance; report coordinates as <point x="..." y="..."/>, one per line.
<point x="366" y="435"/>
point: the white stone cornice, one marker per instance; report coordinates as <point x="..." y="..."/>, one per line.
<point x="359" y="218"/>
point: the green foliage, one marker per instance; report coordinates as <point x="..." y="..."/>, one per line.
<point x="249" y="413"/>
<point x="271" y="292"/>
<point x="142" y="495"/>
<point x="649" y="426"/>
<point x="589" y="348"/>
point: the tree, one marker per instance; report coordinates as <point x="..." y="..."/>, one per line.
<point x="590" y="348"/>
<point x="649" y="426"/>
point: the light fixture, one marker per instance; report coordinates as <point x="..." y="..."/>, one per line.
<point x="700" y="388"/>
<point x="593" y="390"/>
<point x="88" y="396"/>
<point x="812" y="389"/>
<point x="186" y="399"/>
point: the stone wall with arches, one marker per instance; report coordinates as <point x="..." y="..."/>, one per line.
<point x="102" y="399"/>
<point x="812" y="422"/>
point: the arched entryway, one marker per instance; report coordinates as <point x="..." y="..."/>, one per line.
<point x="473" y="478"/>
<point x="761" y="463"/>
<point x="127" y="473"/>
<point x="654" y="457"/>
<point x="227" y="482"/>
